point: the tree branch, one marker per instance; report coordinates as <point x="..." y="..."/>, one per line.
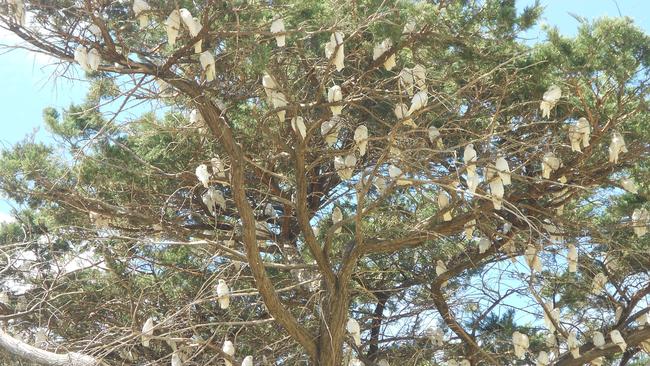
<point x="24" y="351"/>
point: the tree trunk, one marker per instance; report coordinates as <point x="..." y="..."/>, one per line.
<point x="332" y="329"/>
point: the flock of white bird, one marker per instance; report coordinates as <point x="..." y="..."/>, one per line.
<point x="413" y="81"/>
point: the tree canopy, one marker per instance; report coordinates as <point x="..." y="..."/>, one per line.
<point x="250" y="178"/>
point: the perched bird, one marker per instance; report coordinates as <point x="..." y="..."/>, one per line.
<point x="173" y="26"/>
<point x="335" y="95"/>
<point x="248" y="361"/>
<point x="532" y="258"/>
<point x="434" y="136"/>
<point x="395" y="173"/>
<point x="345" y="166"/>
<point x="335" y="48"/>
<point x="361" y="139"/>
<point x="207" y="63"/>
<point x="496" y="192"/>
<point x="269" y="85"/>
<point x="506" y="227"/>
<point x="330" y="131"/>
<point x="640" y="219"/>
<point x="443" y="204"/>
<point x="218" y="168"/>
<point x="441" y="267"/>
<point x="598" y="283"/>
<point x="521" y="343"/>
<point x="575" y="138"/>
<point x="420" y="77"/>
<point x="277" y="26"/>
<point x="407" y="80"/>
<point x="94" y="59"/>
<point x="140" y="7"/>
<point x="95" y="31"/>
<point x="617" y="339"/>
<point x="549" y="100"/>
<point x="298" y="126"/>
<point x="176" y="359"/>
<point x="542" y="359"/>
<point x="355" y="331"/>
<point x="223" y="293"/>
<point x="616" y="147"/>
<point x="550" y="163"/>
<point x="436" y="336"/>
<point x="203" y="175"/>
<point x="212" y="199"/>
<point x="193" y="26"/>
<point x="19" y="13"/>
<point x="473" y="180"/>
<point x="598" y="339"/>
<point x="483" y="245"/>
<point x="553" y="319"/>
<point x="618" y="313"/>
<point x="402" y="113"/>
<point x="81" y="57"/>
<point x="409" y="27"/>
<point x="380" y="49"/>
<point x="470" y="157"/>
<point x="469" y="228"/>
<point x="572" y="258"/>
<point x="551" y="341"/>
<point x="196" y="117"/>
<point x="573" y="345"/>
<point x="269" y="210"/>
<point x="381" y="184"/>
<point x="629" y="185"/>
<point x="554" y="231"/>
<point x="337" y="216"/>
<point x="276" y="98"/>
<point x="229" y="349"/>
<point x="583" y="127"/>
<point x="147" y="332"/>
<point x="419" y="101"/>
<point x="164" y="89"/>
<point x="501" y="165"/>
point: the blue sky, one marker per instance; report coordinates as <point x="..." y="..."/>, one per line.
<point x="30" y="86"/>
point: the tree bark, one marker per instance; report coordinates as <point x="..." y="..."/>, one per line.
<point x="332" y="330"/>
<point x="375" y="327"/>
<point x="27" y="353"/>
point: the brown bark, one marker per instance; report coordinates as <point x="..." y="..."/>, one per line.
<point x="332" y="328"/>
<point x="375" y="326"/>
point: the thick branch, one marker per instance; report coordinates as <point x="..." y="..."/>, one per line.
<point x="216" y="122"/>
<point x="24" y="351"/>
<point x="589" y="352"/>
<point x="447" y="316"/>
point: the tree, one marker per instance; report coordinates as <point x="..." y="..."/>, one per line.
<point x="426" y="246"/>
